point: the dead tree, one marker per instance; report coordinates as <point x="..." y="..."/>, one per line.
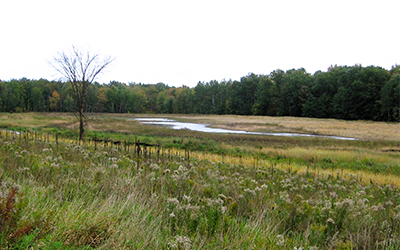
<point x="80" y="68"/>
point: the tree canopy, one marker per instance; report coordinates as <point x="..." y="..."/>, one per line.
<point x="343" y="92"/>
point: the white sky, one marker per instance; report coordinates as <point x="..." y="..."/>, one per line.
<point x="182" y="42"/>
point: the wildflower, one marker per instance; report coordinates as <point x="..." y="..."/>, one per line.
<point x="114" y="166"/>
<point x="298" y="248"/>
<point x="250" y="191"/>
<point x="183" y="242"/>
<point x="192" y="208"/>
<point x="281" y="240"/>
<point x="55" y="165"/>
<point x="182" y="168"/>
<point x="154" y="166"/>
<point x="330" y="220"/>
<point x="349" y="202"/>
<point x="188" y="198"/>
<point x="333" y="195"/>
<point x="224" y="209"/>
<point x="222" y="196"/>
<point x="173" y="201"/>
<point x="389" y="203"/>
<point x="22" y="169"/>
<point x="211" y="202"/>
<point x="361" y="202"/>
<point x="375" y="208"/>
<point x="172" y="215"/>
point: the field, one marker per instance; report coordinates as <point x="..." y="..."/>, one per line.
<point x="197" y="190"/>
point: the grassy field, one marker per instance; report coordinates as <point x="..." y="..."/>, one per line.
<point x="200" y="190"/>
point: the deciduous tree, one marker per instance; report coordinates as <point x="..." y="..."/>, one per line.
<point x="80" y="68"/>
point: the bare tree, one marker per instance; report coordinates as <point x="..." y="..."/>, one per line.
<point x="80" y="68"/>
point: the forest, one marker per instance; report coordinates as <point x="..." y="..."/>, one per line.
<point x="342" y="92"/>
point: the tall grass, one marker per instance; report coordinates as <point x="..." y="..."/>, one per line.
<point x="112" y="198"/>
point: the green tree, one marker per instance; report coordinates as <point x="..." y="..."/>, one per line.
<point x="55" y="101"/>
<point x="266" y="97"/>
<point x="37" y="97"/>
<point x="161" y="102"/>
<point x="183" y="103"/>
<point x="390" y="99"/>
<point x="243" y="96"/>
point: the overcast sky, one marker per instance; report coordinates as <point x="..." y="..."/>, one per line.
<point x="184" y="42"/>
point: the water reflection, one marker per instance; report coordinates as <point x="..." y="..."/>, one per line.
<point x="205" y="128"/>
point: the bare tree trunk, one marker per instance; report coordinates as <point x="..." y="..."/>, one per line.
<point x="81" y="108"/>
<point x="80" y="68"/>
<point x="81" y="128"/>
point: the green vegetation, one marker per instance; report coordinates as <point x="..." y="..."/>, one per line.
<point x="200" y="191"/>
<point x="342" y="92"/>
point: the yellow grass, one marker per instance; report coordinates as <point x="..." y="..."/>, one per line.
<point x="263" y="164"/>
<point x="359" y="129"/>
<point x="365" y="130"/>
<point x="310" y="154"/>
<point x="31" y="120"/>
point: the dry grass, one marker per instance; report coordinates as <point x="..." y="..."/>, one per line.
<point x="365" y="130"/>
<point x="310" y="154"/>
<point x="110" y="198"/>
<point x="365" y="177"/>
<point x="32" y="120"/>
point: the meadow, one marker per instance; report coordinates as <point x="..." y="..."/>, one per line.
<point x="197" y="190"/>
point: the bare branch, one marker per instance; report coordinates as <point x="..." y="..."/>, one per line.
<point x="80" y="68"/>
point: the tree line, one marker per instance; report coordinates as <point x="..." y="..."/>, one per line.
<point x="343" y="92"/>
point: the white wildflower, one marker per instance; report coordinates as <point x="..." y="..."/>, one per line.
<point x="182" y="168"/>
<point x="114" y="166"/>
<point x="281" y="240"/>
<point x="154" y="166"/>
<point x="187" y="198"/>
<point x="183" y="242"/>
<point x="389" y="203"/>
<point x="330" y="220"/>
<point x="222" y="196"/>
<point x="248" y="190"/>
<point x="173" y="201"/>
<point x="333" y="195"/>
<point x="224" y="209"/>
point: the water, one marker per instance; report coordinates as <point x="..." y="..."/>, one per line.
<point x="205" y="128"/>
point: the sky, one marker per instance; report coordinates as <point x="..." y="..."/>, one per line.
<point x="182" y="42"/>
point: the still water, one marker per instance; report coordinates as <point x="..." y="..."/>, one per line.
<point x="205" y="128"/>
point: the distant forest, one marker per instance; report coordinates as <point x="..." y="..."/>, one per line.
<point x="343" y="92"/>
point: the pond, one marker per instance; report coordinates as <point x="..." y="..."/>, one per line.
<point x="205" y="128"/>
